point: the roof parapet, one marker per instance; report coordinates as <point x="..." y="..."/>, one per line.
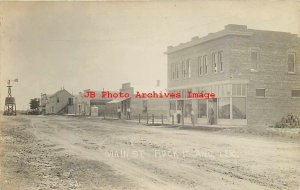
<point x="195" y="38"/>
<point x="241" y="30"/>
<point x="235" y="27"/>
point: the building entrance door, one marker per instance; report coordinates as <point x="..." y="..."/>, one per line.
<point x="124" y="108"/>
<point x="212" y="111"/>
<point x="180" y="111"/>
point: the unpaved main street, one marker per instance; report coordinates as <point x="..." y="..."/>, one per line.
<point x="39" y="152"/>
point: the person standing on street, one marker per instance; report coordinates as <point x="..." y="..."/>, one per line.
<point x="119" y="112"/>
<point x="211" y="116"/>
<point x="178" y="115"/>
<point x="128" y="113"/>
<point x="193" y="118"/>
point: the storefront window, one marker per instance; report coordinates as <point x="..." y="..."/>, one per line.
<point x="239" y="90"/>
<point x="236" y="90"/>
<point x="179" y="104"/>
<point x="220" y="91"/>
<point x="202" y="108"/>
<point x="239" y="108"/>
<point x="225" y="90"/>
<point x="231" y="101"/>
<point x="172" y="105"/>
<point x="224" y="108"/>
<point x="243" y="89"/>
<point x="145" y="106"/>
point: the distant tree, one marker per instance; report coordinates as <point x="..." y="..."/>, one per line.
<point x="34" y="106"/>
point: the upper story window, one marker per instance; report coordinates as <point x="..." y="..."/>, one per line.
<point x="183" y="69"/>
<point x="225" y="90"/>
<point x="174" y="71"/>
<point x="214" y="62"/>
<point x="200" y="66"/>
<point x="254" y="59"/>
<point x="177" y="70"/>
<point x="57" y="100"/>
<point x="186" y="69"/>
<point x="291" y="62"/>
<point x="217" y="61"/>
<point x="260" y="92"/>
<point x="238" y="90"/>
<point x="189" y="69"/>
<point x="296" y="93"/>
<point x="220" y="60"/>
<point x="70" y="101"/>
<point x="204" y="62"/>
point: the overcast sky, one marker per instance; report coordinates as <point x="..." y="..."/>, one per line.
<point x="96" y="45"/>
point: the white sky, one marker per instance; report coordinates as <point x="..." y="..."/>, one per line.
<point x="81" y="45"/>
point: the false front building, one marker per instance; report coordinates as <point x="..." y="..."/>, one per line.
<point x="255" y="75"/>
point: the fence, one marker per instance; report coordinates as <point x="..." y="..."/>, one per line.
<point x="148" y="119"/>
<point x="152" y="119"/>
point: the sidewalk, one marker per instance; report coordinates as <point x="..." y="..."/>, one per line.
<point x="168" y="124"/>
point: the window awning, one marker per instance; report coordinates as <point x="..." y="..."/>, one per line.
<point x="117" y="100"/>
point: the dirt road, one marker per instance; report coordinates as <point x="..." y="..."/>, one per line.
<point x="55" y="152"/>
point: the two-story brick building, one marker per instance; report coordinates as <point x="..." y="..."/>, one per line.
<point x="254" y="73"/>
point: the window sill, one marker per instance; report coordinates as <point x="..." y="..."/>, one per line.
<point x="291" y="73"/>
<point x="262" y="97"/>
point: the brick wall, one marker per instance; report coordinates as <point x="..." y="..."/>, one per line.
<point x="192" y="53"/>
<point x="272" y="74"/>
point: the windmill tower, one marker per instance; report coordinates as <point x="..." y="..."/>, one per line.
<point x="10" y="102"/>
